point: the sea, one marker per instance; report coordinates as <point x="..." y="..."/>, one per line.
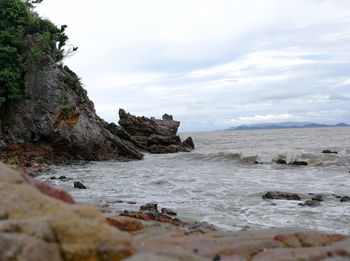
<point x="222" y="181"/>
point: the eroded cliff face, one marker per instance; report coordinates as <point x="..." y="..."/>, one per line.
<point x="57" y="111"/>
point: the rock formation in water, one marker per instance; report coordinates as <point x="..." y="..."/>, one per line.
<point x="155" y="136"/>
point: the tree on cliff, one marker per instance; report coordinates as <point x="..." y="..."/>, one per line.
<point x="17" y="21"/>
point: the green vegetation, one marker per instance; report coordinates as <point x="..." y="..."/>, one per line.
<point x="18" y="21"/>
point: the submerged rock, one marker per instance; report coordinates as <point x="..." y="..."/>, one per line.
<point x="79" y="185"/>
<point x="310" y="203"/>
<point x="329" y="151"/>
<point x="281" y="195"/>
<point x="281" y="161"/>
<point x="299" y="163"/>
<point x="155" y="136"/>
<point x="345" y="199"/>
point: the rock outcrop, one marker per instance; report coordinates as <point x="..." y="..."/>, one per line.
<point x="56" y="111"/>
<point x="154" y="135"/>
<point x="39" y="222"/>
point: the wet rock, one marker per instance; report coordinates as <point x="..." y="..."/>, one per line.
<point x="281" y="195"/>
<point x="155" y="136"/>
<point x="79" y="185"/>
<point x="281" y="161"/>
<point x="336" y="196"/>
<point x="188" y="143"/>
<point x="158" y="149"/>
<point x="63" y="178"/>
<point x="345" y="199"/>
<point x="299" y="163"/>
<point x="329" y="151"/>
<point x="310" y="203"/>
<point x="150" y="207"/>
<point x="318" y="197"/>
<point x="53" y="178"/>
<point x="168" y="211"/>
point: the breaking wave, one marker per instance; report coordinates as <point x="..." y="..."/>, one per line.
<point x="288" y="157"/>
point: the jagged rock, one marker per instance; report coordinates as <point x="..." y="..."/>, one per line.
<point x="40" y="226"/>
<point x="57" y="111"/>
<point x="188" y="143"/>
<point x="150" y="207"/>
<point x="281" y="195"/>
<point x="79" y="185"/>
<point x="155" y="136"/>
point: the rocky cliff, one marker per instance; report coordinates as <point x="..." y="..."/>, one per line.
<point x="57" y="111"/>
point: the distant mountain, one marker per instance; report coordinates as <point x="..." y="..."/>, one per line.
<point x="284" y="125"/>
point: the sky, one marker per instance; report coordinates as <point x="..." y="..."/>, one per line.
<point x="212" y="64"/>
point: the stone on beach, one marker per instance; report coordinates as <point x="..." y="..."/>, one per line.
<point x="37" y="226"/>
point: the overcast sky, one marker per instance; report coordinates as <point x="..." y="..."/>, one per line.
<point x="212" y="64"/>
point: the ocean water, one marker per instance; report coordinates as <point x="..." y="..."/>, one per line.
<point x="222" y="181"/>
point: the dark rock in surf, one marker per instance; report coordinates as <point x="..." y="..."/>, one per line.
<point x="281" y="195"/>
<point x="299" y="163"/>
<point x="150" y="207"/>
<point x="310" y="203"/>
<point x="345" y="199"/>
<point x="79" y="185"/>
<point x="188" y="143"/>
<point x="152" y="135"/>
<point x="168" y="211"/>
<point x="317" y="197"/>
<point x="281" y="161"/>
<point x="329" y="151"/>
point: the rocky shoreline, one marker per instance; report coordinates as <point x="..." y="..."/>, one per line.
<point x="40" y="222"/>
<point x="55" y="122"/>
<point x="135" y="136"/>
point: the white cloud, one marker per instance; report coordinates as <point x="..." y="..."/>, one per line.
<point x="207" y="61"/>
<point x="264" y="118"/>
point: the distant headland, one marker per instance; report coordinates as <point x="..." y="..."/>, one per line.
<point x="284" y="125"/>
